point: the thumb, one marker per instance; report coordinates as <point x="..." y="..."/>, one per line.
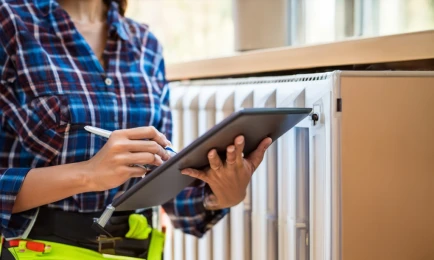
<point x="201" y="175"/>
<point x="257" y="155"/>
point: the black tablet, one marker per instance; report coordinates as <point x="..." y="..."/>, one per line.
<point x="166" y="181"/>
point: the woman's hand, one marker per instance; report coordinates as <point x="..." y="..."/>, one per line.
<point x="228" y="181"/>
<point x="113" y="164"/>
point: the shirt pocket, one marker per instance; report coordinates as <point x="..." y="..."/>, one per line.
<point x="62" y="112"/>
<point x="94" y="109"/>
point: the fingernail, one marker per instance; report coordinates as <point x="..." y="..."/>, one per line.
<point x="185" y="172"/>
<point x="231" y="149"/>
<point x="240" y="140"/>
<point x="159" y="160"/>
<point x="211" y="154"/>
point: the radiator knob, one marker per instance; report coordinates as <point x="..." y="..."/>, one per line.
<point x="315" y="118"/>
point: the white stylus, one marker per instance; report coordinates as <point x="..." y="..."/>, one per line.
<point x="98" y="131"/>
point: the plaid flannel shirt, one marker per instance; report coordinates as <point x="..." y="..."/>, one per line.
<point x="52" y="84"/>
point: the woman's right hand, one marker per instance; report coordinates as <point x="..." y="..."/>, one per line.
<point x="113" y="164"/>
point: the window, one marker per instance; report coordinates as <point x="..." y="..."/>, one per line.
<point x="331" y="20"/>
<point x="188" y="29"/>
<point x="202" y="29"/>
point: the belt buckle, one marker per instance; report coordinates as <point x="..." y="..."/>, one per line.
<point x="106" y="245"/>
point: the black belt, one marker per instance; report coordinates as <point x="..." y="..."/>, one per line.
<point x="74" y="229"/>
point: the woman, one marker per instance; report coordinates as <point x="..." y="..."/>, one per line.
<point x="65" y="64"/>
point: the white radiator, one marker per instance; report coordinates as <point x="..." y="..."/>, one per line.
<point x="290" y="193"/>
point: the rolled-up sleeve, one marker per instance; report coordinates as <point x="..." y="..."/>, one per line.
<point x="11" y="179"/>
<point x="187" y="212"/>
<point x="13" y="225"/>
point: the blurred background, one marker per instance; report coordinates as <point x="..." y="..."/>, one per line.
<point x="203" y="29"/>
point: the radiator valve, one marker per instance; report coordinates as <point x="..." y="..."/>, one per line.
<point x="315" y="118"/>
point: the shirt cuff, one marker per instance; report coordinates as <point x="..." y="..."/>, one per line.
<point x="188" y="213"/>
<point x="212" y="217"/>
<point x="13" y="225"/>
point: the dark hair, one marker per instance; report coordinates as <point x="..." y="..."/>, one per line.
<point x="122" y="5"/>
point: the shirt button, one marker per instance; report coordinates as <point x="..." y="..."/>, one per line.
<point x="108" y="81"/>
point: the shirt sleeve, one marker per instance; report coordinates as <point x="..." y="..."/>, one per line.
<point x="13" y="225"/>
<point x="186" y="211"/>
<point x="11" y="179"/>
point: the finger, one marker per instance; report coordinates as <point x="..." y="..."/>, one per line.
<point x="148" y="146"/>
<point x="239" y="148"/>
<point x="230" y="156"/>
<point x="136" y="172"/>
<point x="201" y="175"/>
<point x="214" y="160"/>
<point x="120" y="145"/>
<point x="257" y="155"/>
<point x="144" y="158"/>
<point x="169" y="143"/>
<point x="146" y="132"/>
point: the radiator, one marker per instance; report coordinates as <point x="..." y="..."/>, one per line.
<point x="344" y="187"/>
<point x="275" y="218"/>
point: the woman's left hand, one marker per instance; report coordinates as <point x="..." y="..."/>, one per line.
<point x="228" y="180"/>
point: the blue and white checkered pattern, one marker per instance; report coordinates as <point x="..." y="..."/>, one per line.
<point x="52" y="84"/>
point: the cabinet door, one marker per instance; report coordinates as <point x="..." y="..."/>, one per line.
<point x="387" y="166"/>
